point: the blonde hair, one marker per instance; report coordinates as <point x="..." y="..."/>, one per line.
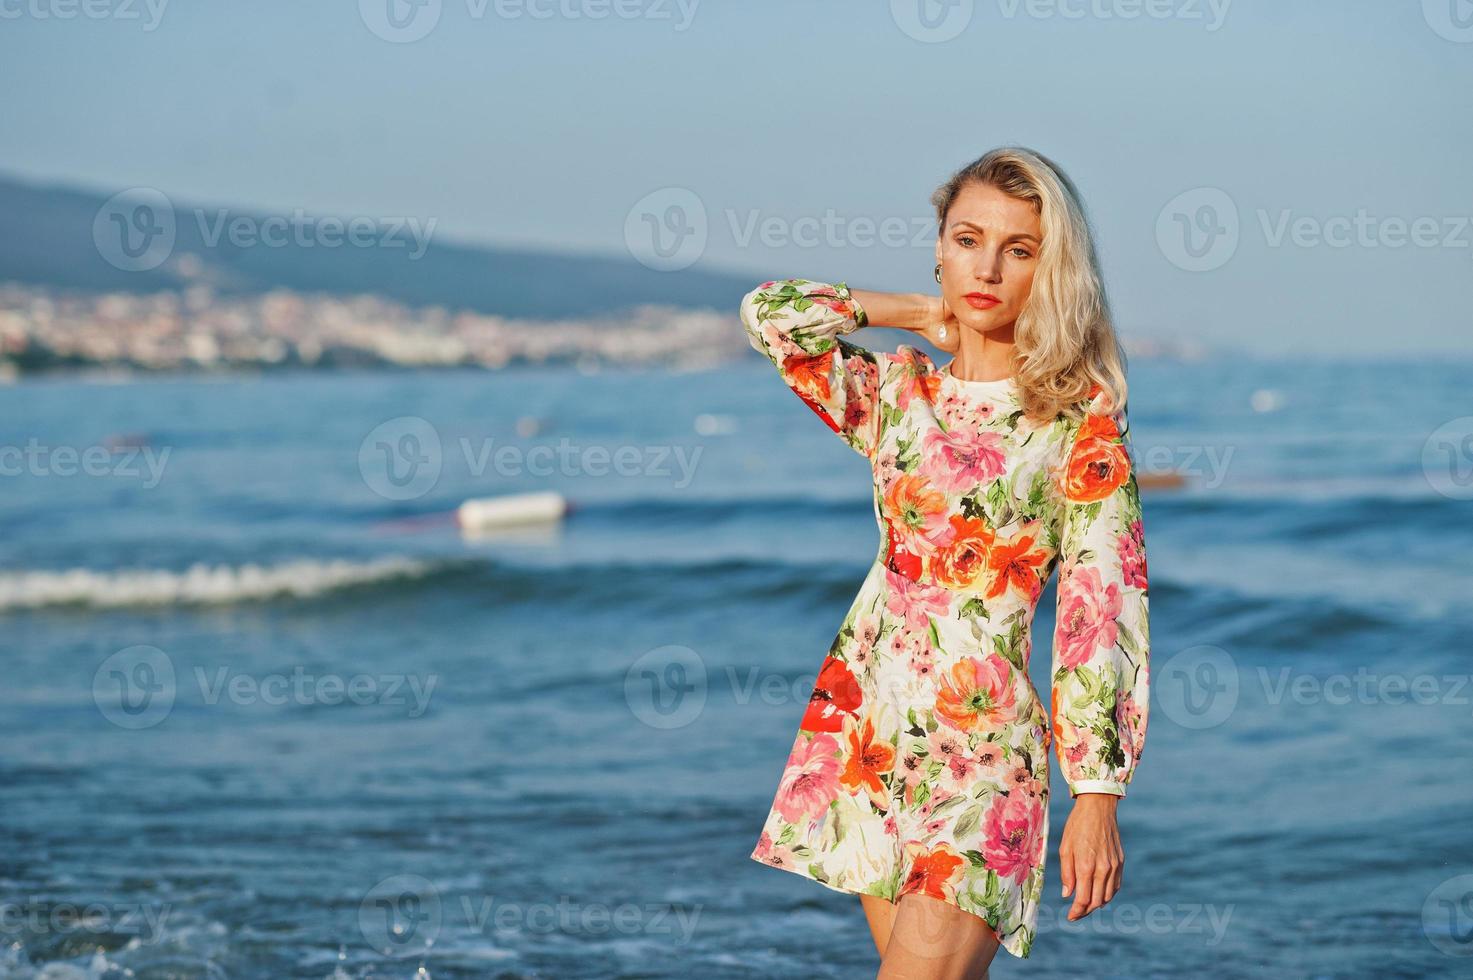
<point x="1064" y="340"/>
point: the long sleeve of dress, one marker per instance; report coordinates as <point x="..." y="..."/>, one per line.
<point x="1101" y="679"/>
<point x="797" y="323"/>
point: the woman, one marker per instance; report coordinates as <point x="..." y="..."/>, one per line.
<point x="919" y="777"/>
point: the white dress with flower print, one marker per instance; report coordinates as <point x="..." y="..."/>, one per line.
<point x="921" y="763"/>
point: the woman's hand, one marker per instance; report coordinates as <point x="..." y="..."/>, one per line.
<point x="916" y="312"/>
<point x="1091" y="861"/>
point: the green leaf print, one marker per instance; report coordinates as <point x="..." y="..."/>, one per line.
<point x="975" y="607"/>
<point x="1001" y="500"/>
<point x="972" y="507"/>
<point x="978" y="861"/>
<point x="817" y="871"/>
<point x="968" y="823"/>
<point x="1129" y="643"/>
<point x="1010" y="646"/>
<point x="1038" y="495"/>
<point x="992" y="892"/>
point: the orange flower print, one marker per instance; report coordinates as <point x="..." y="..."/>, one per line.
<point x="963" y="562"/>
<point x="900" y="560"/>
<point x="835" y="694"/>
<point x="866" y="760"/>
<point x="811" y="373"/>
<point x="1098" y="464"/>
<point x="1015" y="564"/>
<point x="914" y="383"/>
<point x="977" y="695"/>
<point x="936" y="872"/>
<point x="922" y="513"/>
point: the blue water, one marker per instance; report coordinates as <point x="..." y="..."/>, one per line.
<point x="563" y="743"/>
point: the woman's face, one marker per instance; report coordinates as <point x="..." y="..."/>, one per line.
<point x="989" y="247"/>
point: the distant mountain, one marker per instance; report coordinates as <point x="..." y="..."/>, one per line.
<point x="72" y="239"/>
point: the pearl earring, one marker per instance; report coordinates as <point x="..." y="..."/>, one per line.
<point x="940" y="334"/>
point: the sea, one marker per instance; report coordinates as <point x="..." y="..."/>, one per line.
<point x="271" y="711"/>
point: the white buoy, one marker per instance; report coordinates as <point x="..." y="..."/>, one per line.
<point x="486" y="513"/>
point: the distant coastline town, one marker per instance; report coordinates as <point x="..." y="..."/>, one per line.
<point x="196" y="330"/>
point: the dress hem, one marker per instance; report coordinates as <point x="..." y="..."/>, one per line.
<point x="802" y="873"/>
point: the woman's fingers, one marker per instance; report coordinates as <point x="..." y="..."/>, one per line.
<point x="1084" y="887"/>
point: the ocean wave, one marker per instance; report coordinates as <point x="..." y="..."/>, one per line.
<point x="200" y="584"/>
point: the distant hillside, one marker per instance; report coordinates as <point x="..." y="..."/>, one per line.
<point x="47" y="239"/>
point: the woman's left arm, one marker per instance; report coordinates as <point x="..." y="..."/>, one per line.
<point x="1101" y="680"/>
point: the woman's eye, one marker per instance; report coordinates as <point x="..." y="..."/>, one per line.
<point x="1024" y="252"/>
<point x="966" y="239"/>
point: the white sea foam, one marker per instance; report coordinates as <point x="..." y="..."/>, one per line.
<point x="199" y="584"/>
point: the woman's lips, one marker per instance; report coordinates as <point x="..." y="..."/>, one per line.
<point x="981" y="301"/>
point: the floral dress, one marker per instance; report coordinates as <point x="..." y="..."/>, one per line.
<point x="921" y="763"/>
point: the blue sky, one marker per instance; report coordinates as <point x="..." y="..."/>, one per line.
<point x="549" y="131"/>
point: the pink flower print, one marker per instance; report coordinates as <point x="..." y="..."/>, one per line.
<point x="1129" y="723"/>
<point x="912" y="769"/>
<point x="769" y="853"/>
<point x="811" y="780"/>
<point x="959" y="766"/>
<point x="915" y="602"/>
<point x="887" y="468"/>
<point x="989" y="756"/>
<point x="1011" y="831"/>
<point x="922" y="665"/>
<point x="866" y="635"/>
<point x="963" y="458"/>
<point x="1088" y="610"/>
<point x="1075" y="753"/>
<point x="1021" y="779"/>
<point x="1132" y="551"/>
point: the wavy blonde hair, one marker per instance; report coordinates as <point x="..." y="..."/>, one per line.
<point x="1064" y="341"/>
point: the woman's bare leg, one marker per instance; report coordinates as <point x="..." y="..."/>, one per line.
<point x="881" y="916"/>
<point x="934" y="940"/>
